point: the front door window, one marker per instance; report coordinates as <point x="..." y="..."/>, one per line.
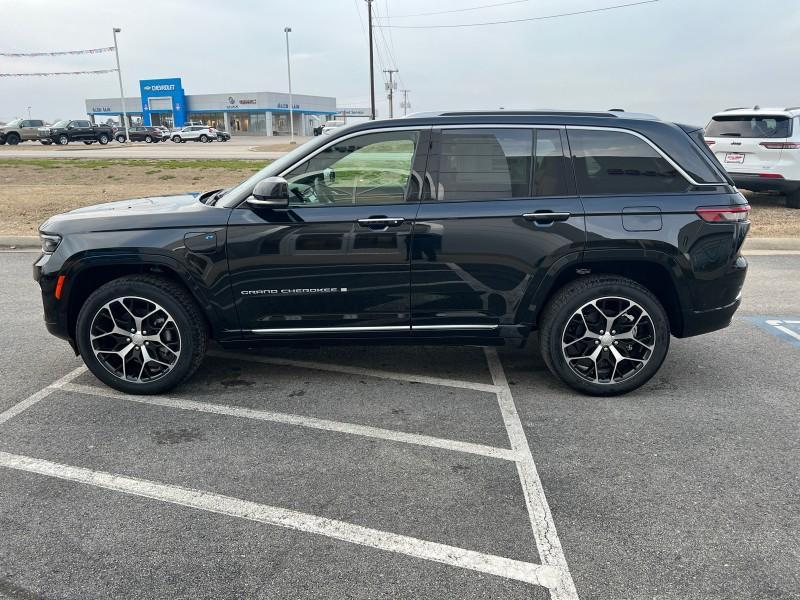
<point x="370" y="169"/>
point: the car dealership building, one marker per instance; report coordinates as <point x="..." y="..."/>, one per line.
<point x="164" y="102"/>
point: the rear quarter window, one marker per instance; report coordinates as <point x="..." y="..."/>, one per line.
<point x="619" y="163"/>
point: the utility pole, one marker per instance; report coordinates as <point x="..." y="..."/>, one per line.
<point x="371" y="64"/>
<point x="29" y="113"/>
<point x="121" y="91"/>
<point x="405" y="104"/>
<point x="391" y="86"/>
<point x="287" y="31"/>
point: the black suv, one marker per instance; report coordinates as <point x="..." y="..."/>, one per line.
<point x="66" y="131"/>
<point x="603" y="232"/>
<point x="140" y="133"/>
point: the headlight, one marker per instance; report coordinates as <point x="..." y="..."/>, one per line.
<point x="50" y="242"/>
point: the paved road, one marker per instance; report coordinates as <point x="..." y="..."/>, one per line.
<point x="687" y="488"/>
<point x="253" y="148"/>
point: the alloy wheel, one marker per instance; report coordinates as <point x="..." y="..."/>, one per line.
<point x="135" y="339"/>
<point x="608" y="340"/>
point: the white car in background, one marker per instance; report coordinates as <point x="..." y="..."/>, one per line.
<point x="759" y="148"/>
<point x="331" y="126"/>
<point x="193" y="133"/>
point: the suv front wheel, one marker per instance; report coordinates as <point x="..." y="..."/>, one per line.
<point x="141" y="334"/>
<point x="604" y="335"/>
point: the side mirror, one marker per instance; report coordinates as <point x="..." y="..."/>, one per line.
<point x="272" y="192"/>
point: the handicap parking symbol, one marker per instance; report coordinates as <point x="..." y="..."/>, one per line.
<point x="787" y="329"/>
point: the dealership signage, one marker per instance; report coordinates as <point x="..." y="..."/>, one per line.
<point x="163" y="89"/>
<point x="101" y="109"/>
<point x="233" y="103"/>
<point x="286" y="105"/>
<point x="351" y="111"/>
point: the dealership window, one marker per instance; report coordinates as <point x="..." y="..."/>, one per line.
<point x="370" y="169"/>
<point x="614" y="162"/>
<point x="485" y="164"/>
<point x="209" y="119"/>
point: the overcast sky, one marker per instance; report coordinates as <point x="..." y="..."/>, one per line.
<point x="682" y="60"/>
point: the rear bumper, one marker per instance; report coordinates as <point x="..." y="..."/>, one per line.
<point x="705" y="321"/>
<point x="756" y="183"/>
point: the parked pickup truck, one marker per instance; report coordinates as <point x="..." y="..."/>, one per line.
<point x="20" y="130"/>
<point x="66" y="131"/>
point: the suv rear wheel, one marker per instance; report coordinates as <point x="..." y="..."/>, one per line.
<point x="604" y="335"/>
<point x="141" y="334"/>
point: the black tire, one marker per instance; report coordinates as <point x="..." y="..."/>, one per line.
<point x="148" y="139"/>
<point x="559" y="314"/>
<point x="88" y="143"/>
<point x="204" y="138"/>
<point x="176" y="139"/>
<point x="793" y="200"/>
<point x="121" y="139"/>
<point x="12" y="139"/>
<point x="45" y="142"/>
<point x="103" y="139"/>
<point x="177" y="302"/>
<point x="3" y="141"/>
<point x="63" y="139"/>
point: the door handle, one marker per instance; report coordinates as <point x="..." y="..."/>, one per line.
<point x="381" y="222"/>
<point x="546" y="216"/>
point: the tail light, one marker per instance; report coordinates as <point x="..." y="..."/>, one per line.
<point x="710" y="142"/>
<point x="724" y="214"/>
<point x="771" y="175"/>
<point x="781" y="145"/>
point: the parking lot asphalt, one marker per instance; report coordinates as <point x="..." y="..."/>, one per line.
<point x="380" y="472"/>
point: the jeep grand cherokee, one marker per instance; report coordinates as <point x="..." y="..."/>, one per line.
<point x="606" y="233"/>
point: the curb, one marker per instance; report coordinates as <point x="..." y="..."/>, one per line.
<point x="26" y="242"/>
<point x="19" y="242"/>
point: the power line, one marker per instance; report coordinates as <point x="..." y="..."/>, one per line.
<point x="456" y="10"/>
<point x="569" y="14"/>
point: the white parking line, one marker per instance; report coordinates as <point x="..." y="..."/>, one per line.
<point x="303" y="421"/>
<point x="553" y="573"/>
<point x="41" y="394"/>
<point x="544" y="528"/>
<point x="381" y="374"/>
<point x="777" y="324"/>
<point x="542" y="575"/>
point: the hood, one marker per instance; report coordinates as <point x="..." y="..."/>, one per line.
<point x="159" y="212"/>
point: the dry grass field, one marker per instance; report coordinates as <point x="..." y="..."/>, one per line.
<point x="33" y="189"/>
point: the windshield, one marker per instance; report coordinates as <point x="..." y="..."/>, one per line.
<point x="244" y="189"/>
<point x="63" y="123"/>
<point x="750" y="126"/>
<point x="14" y="123"/>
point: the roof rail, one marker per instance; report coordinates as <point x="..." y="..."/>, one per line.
<point x="500" y="113"/>
<point x="792" y="108"/>
<point x="735" y="108"/>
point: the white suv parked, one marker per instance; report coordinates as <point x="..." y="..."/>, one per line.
<point x="194" y="133"/>
<point x="760" y="148"/>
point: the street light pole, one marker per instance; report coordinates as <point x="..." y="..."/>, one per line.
<point x="287" y="31"/>
<point x="29" y="113"/>
<point x="371" y="64"/>
<point x="121" y="91"/>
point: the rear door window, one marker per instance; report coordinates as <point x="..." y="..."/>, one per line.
<point x="617" y="163"/>
<point x="549" y="168"/>
<point x="750" y="126"/>
<point x="485" y="164"/>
